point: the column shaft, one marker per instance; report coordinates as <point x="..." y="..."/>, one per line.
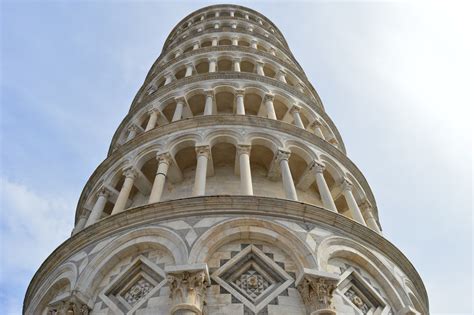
<point x="323" y="188"/>
<point x="287" y="179"/>
<point x="209" y="103"/>
<point x="199" y="188"/>
<point x="240" y="103"/>
<point x="352" y="204"/>
<point x="246" y="187"/>
<point x="178" y="112"/>
<point x="152" y="120"/>
<point x="160" y="179"/>
<point x="269" y="106"/>
<point x="124" y="193"/>
<point x="98" y="208"/>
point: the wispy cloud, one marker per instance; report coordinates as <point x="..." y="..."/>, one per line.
<point x="32" y="226"/>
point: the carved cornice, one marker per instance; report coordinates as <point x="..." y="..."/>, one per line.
<point x="223" y="205"/>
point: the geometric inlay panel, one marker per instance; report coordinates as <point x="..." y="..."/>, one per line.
<point x="133" y="286"/>
<point x="253" y="278"/>
<point x="360" y="294"/>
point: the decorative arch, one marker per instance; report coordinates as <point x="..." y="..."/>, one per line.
<point x="341" y="247"/>
<point x="136" y="240"/>
<point x="257" y="229"/>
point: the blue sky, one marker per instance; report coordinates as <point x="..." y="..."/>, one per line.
<point x="396" y="78"/>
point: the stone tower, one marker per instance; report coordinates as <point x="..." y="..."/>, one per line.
<point x="226" y="190"/>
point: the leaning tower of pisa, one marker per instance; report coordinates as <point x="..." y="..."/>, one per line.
<point x="226" y="190"/>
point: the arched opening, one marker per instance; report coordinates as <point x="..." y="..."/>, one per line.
<point x="246" y="66"/>
<point x="206" y="43"/>
<point x="244" y="43"/>
<point x="197" y="103"/>
<point x="252" y="103"/>
<point x="224" y="65"/>
<point x="225" y="103"/>
<point x="224" y="181"/>
<point x="268" y="71"/>
<point x="168" y="110"/>
<point x="225" y="42"/>
<point x="280" y="108"/>
<point x="180" y="73"/>
<point x="202" y="67"/>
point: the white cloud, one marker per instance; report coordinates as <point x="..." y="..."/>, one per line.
<point x="32" y="226"/>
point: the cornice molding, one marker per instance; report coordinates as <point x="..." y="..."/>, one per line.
<point x="223" y="205"/>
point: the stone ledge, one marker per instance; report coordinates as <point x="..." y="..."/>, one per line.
<point x="219" y="205"/>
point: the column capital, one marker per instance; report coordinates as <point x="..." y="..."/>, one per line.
<point x="234" y="59"/>
<point x="179" y="99"/>
<point x="317" y="167"/>
<point x="315" y="124"/>
<point x="164" y="157"/>
<point x="130" y="172"/>
<point x="295" y="109"/>
<point x="365" y="205"/>
<point x="254" y="41"/>
<point x="209" y="92"/>
<point x="259" y="63"/>
<point x="269" y="97"/>
<point x="103" y="192"/>
<point x="235" y="37"/>
<point x="153" y="110"/>
<point x="212" y="59"/>
<point x="189" y="64"/>
<point x="132" y="127"/>
<point x="72" y="304"/>
<point x="239" y="92"/>
<point x="197" y="42"/>
<point x="282" y="155"/>
<point x="168" y="74"/>
<point x="188" y="284"/>
<point x="204" y="150"/>
<point x="316" y="289"/>
<point x="346" y="185"/>
<point x="243" y="149"/>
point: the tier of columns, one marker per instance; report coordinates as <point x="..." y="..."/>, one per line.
<point x="154" y="113"/>
<point x="203" y="154"/>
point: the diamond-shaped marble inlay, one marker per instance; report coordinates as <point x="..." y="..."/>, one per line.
<point x="360" y="293"/>
<point x="133" y="286"/>
<point x="252" y="283"/>
<point x="253" y="278"/>
<point x="137" y="291"/>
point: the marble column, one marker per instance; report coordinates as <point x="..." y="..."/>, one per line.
<point x="287" y="180"/>
<point x="168" y="78"/>
<point x="325" y="193"/>
<point x="214" y="41"/>
<point x="239" y="101"/>
<point x="295" y="111"/>
<point x="236" y="62"/>
<point x="260" y="68"/>
<point x="351" y="202"/>
<point x="209" y="102"/>
<point x="368" y="214"/>
<point x="153" y="113"/>
<point x="188" y="285"/>
<point x="232" y="13"/>
<point x="268" y="100"/>
<point x="235" y="41"/>
<point x="243" y="150"/>
<point x="81" y="224"/>
<point x="189" y="69"/>
<point x="178" y="112"/>
<point x="130" y="175"/>
<point x="98" y="208"/>
<point x="196" y="45"/>
<point x="164" y="161"/>
<point x="273" y="51"/>
<point x="253" y="44"/>
<point x="216" y="26"/>
<point x="281" y="76"/>
<point x="202" y="155"/>
<point x="234" y="26"/>
<point x="212" y="65"/>
<point x="132" y="132"/>
<point x="316" y="125"/>
<point x="178" y="53"/>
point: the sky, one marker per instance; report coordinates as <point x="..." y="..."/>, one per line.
<point x="395" y="77"/>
